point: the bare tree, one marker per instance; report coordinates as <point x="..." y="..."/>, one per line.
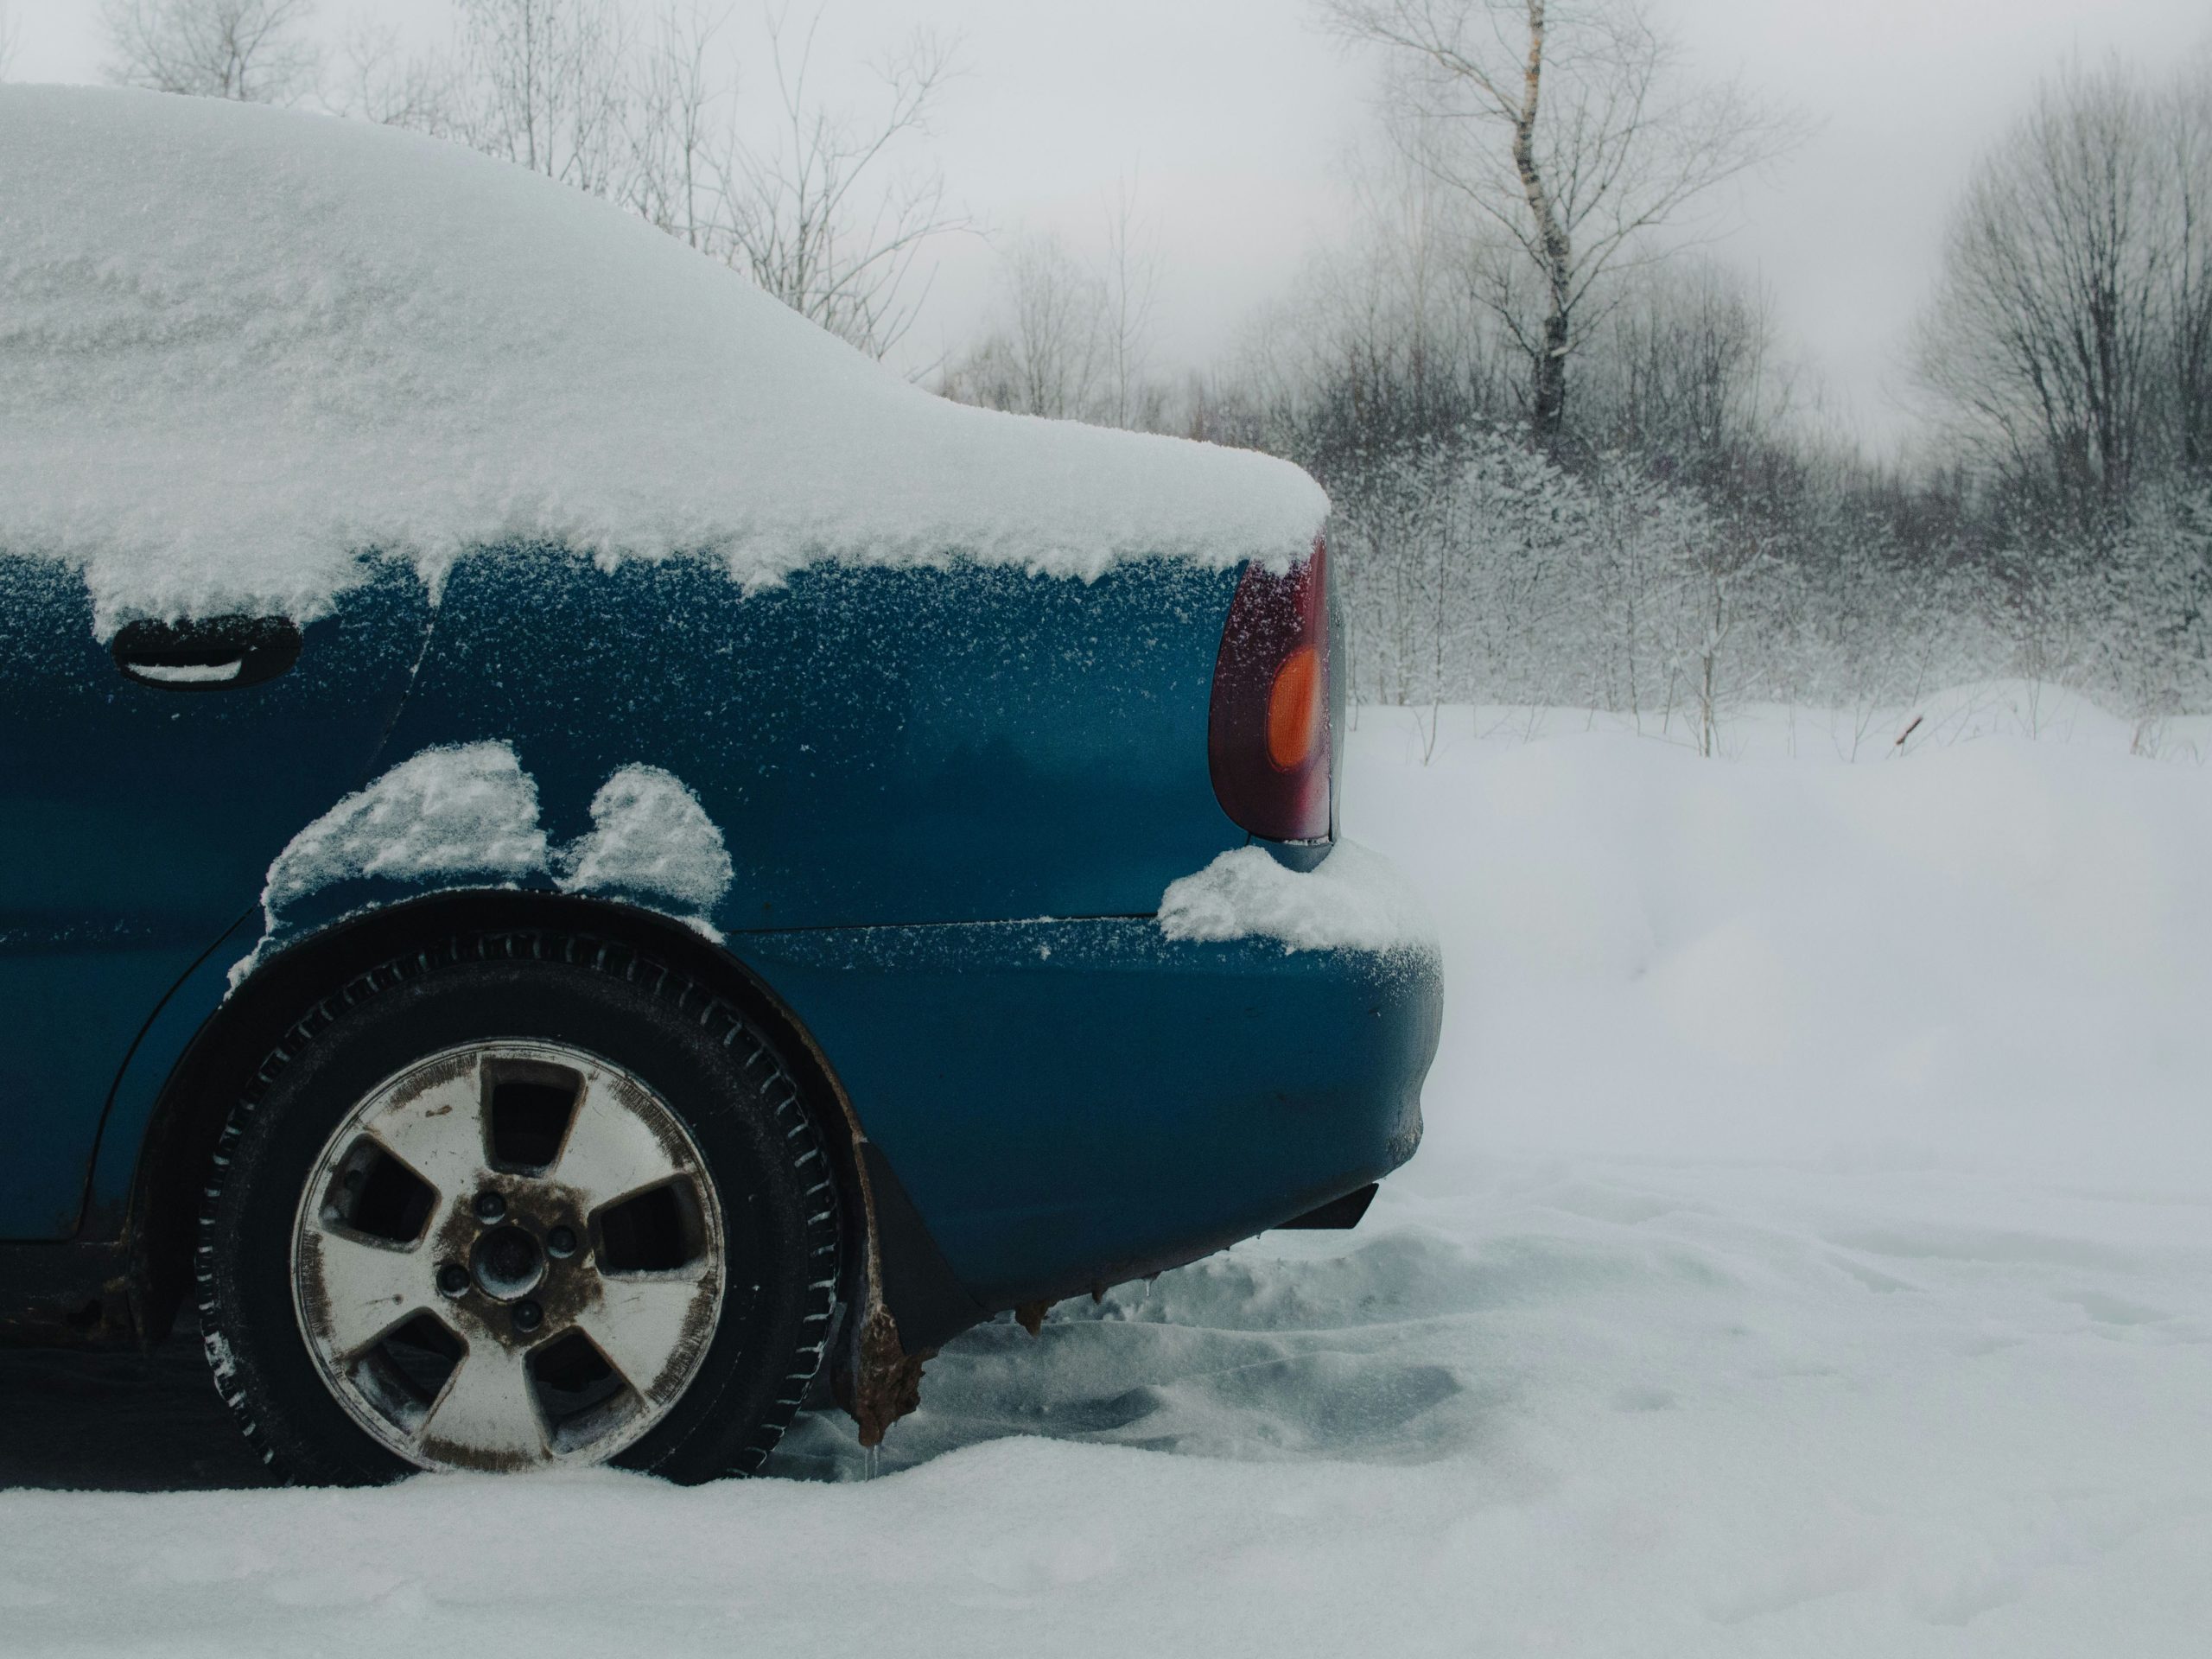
<point x="1682" y="370"/>
<point x="1053" y="347"/>
<point x="824" y="217"/>
<point x="820" y="214"/>
<point x="679" y="128"/>
<point x="1059" y="328"/>
<point x="11" y="39"/>
<point x="2188" y="120"/>
<point x="1566" y="125"/>
<point x="547" y="83"/>
<point x="382" y="82"/>
<point x="1132" y="281"/>
<point x="257" y="51"/>
<point x="1070" y="339"/>
<point x="2044" y="332"/>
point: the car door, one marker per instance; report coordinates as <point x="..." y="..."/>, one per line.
<point x="145" y="784"/>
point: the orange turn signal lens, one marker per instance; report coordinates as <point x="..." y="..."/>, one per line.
<point x="1294" y="710"/>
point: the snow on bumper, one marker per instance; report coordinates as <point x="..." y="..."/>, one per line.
<point x="1354" y="899"/>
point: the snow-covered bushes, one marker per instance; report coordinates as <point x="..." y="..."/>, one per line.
<point x="1474" y="569"/>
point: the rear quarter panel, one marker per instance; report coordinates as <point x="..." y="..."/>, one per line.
<point x="878" y="746"/>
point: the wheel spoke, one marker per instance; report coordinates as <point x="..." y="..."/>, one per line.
<point x="353" y="1290"/>
<point x="652" y="1330"/>
<point x="611" y="1150"/>
<point x="486" y="1416"/>
<point x="439" y="1132"/>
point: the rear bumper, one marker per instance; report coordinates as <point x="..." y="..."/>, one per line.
<point x="1070" y="1103"/>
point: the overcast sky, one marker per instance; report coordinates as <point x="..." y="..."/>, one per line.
<point x="1235" y="116"/>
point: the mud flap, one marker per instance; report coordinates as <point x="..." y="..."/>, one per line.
<point x="912" y="1304"/>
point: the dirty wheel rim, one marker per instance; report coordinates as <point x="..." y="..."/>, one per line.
<point x="508" y="1255"/>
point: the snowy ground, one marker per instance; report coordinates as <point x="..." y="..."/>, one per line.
<point x="1811" y="1254"/>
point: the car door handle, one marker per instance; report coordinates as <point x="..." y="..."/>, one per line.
<point x="207" y="654"/>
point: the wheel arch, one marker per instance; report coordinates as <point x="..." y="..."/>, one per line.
<point x="196" y="1099"/>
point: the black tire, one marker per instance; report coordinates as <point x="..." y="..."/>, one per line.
<point x="714" y="1070"/>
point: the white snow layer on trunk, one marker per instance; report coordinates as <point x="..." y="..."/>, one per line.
<point x="242" y="347"/>
<point x="1355" y="899"/>
<point x="650" y="835"/>
<point x="464" y="811"/>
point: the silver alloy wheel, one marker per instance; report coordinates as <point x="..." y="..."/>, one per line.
<point x="508" y="1255"/>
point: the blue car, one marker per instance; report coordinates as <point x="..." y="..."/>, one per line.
<point x="579" y="863"/>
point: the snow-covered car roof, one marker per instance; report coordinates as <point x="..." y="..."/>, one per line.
<point x="241" y="347"/>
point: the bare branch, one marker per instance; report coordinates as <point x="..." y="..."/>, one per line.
<point x="1131" y="282"/>
<point x="383" y="83"/>
<point x="256" y="51"/>
<point x="2073" y="302"/>
<point x="820" y="218"/>
<point x="546" y="85"/>
<point x="676" y="128"/>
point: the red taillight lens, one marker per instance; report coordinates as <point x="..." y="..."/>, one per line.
<point x="1267" y="738"/>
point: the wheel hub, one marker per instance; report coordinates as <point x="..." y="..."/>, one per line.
<point x="508" y="1263"/>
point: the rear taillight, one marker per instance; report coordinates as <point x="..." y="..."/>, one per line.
<point x="1267" y="736"/>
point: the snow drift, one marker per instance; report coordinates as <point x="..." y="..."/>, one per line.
<point x="240" y="348"/>
<point x="1989" y="955"/>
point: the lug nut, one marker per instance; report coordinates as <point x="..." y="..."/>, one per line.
<point x="560" y="1242"/>
<point x="490" y="1206"/>
<point x="453" y="1278"/>
<point x="528" y="1316"/>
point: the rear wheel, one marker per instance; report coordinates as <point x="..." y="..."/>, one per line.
<point x="520" y="1201"/>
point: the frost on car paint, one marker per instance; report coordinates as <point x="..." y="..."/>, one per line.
<point x="208" y="411"/>
<point x="650" y="835"/>
<point x="1355" y="899"/>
